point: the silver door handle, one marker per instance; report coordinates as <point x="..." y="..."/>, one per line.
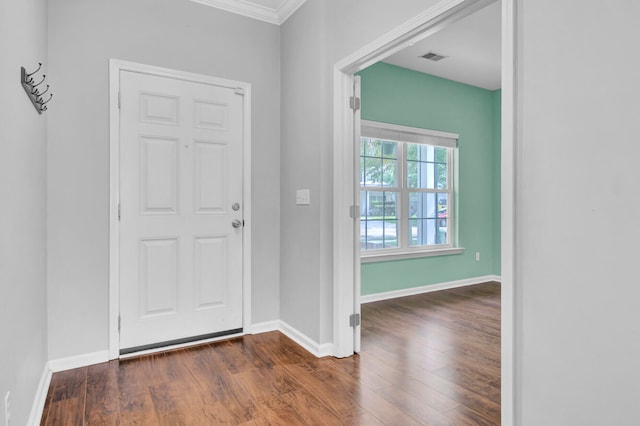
<point x="236" y="223"/>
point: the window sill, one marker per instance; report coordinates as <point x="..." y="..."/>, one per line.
<point x="383" y="257"/>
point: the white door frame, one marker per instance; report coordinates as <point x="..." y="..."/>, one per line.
<point x="115" y="67"/>
<point x="344" y="259"/>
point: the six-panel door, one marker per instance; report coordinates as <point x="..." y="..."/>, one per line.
<point x="180" y="175"/>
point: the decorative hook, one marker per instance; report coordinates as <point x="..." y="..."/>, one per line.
<point x="41" y="81"/>
<point x="42" y="102"/>
<point x="31" y="88"/>
<point x="36" y="92"/>
<point x="39" y="66"/>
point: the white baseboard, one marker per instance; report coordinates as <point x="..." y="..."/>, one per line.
<point x="40" y="397"/>
<point x="78" y="361"/>
<point x="427" y="288"/>
<point x="263" y="327"/>
<point x="325" y="349"/>
<point x="315" y="348"/>
<point x="310" y="345"/>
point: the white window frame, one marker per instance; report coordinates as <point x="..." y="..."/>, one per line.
<point x="404" y="135"/>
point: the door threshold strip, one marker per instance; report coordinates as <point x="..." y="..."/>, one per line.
<point x="179" y="343"/>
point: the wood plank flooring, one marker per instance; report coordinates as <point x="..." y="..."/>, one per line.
<point x="431" y="359"/>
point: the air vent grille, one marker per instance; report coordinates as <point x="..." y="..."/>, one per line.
<point x="435" y="57"/>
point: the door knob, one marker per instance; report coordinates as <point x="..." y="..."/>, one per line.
<point x="236" y="223"/>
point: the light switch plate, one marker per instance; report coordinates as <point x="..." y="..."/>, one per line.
<point x="303" y="197"/>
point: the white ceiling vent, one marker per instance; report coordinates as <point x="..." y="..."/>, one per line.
<point x="433" y="56"/>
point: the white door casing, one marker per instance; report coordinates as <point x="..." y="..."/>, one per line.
<point x="356" y="212"/>
<point x="178" y="266"/>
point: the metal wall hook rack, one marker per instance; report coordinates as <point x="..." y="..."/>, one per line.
<point x="30" y="87"/>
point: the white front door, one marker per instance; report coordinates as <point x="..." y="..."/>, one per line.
<point x="181" y="210"/>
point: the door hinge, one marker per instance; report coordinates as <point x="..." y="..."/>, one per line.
<point x="118" y="211"/>
<point x="353" y="211"/>
<point x="119" y="321"/>
<point x="354" y="103"/>
<point x="119" y="100"/>
<point x="354" y="320"/>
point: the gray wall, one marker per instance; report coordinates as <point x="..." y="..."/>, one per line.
<point x="183" y="35"/>
<point x="304" y="141"/>
<point x="318" y="35"/>
<point x="578" y="212"/>
<point x="23" y="292"/>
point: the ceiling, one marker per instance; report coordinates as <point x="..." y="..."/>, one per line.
<point x="472" y="47"/>
<point x="272" y="11"/>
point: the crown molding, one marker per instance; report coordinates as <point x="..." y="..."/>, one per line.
<point x="253" y="10"/>
<point x="287" y="8"/>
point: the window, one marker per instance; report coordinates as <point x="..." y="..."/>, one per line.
<point x="406" y="190"/>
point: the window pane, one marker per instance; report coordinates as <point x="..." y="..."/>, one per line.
<point x="372" y="148"/>
<point x="430" y="203"/>
<point x="412" y="174"/>
<point x="442" y="222"/>
<point x="379" y="163"/>
<point x="389" y="149"/>
<point x="422" y="205"/>
<point x="422" y="232"/>
<point x="412" y="152"/>
<point x="441" y="236"/>
<point x="390" y="233"/>
<point x="378" y="220"/>
<point x="389" y="172"/>
<point x="389" y="210"/>
<point x="428" y="153"/>
<point x="426" y="167"/>
<point x="427" y="218"/>
<point x="429" y="167"/>
<point x="374" y="238"/>
<point x="363" y="205"/>
<point x="441" y="176"/>
<point x="429" y="228"/>
<point x="373" y="171"/>
<point x="415" y="232"/>
<point x="442" y="204"/>
<point x="422" y="175"/>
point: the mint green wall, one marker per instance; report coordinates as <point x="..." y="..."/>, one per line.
<point x="400" y="96"/>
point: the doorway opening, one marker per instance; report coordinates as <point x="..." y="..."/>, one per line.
<point x="346" y="194"/>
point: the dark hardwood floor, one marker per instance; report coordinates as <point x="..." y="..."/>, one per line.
<point x="430" y="359"/>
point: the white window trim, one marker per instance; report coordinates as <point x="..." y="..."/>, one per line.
<point x="396" y="132"/>
<point x="404" y="135"/>
<point x="383" y="257"/>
